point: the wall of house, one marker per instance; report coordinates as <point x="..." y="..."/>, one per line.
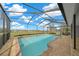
<point x="77" y="29"/>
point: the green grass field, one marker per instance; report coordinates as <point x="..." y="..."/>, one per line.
<point x="29" y="32"/>
<point x="25" y="32"/>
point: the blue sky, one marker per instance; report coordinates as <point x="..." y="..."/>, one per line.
<point x="19" y="20"/>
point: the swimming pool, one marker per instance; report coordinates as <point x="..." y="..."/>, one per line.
<point x="35" y="45"/>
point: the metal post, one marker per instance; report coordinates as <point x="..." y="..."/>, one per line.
<point x="74" y="20"/>
<point x="47" y="30"/>
<point x="27" y="27"/>
<point x="36" y="27"/>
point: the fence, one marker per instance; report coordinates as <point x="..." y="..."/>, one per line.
<point x="4" y="27"/>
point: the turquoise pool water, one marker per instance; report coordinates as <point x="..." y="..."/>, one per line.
<point x="35" y="45"/>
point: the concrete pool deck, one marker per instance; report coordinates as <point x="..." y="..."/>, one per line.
<point x="59" y="47"/>
<point x="11" y="48"/>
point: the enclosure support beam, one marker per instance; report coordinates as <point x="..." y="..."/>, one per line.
<point x="74" y="20"/>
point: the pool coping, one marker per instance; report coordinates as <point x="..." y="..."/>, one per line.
<point x="15" y="50"/>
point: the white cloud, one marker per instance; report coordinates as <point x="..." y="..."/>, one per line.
<point x="47" y="26"/>
<point x="41" y="24"/>
<point x="42" y="16"/>
<point x="50" y="6"/>
<point x="15" y="23"/>
<point x="31" y="21"/>
<point x="15" y="14"/>
<point x="26" y="19"/>
<point x="18" y="27"/>
<point x="56" y="25"/>
<point x="4" y="6"/>
<point x="16" y="8"/>
<point x="58" y="28"/>
<point x="44" y="23"/>
<point x="51" y="14"/>
<point x="37" y="18"/>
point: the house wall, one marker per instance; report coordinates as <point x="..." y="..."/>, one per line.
<point x="77" y="30"/>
